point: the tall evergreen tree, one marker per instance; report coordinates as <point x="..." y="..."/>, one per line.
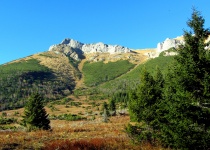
<point x="143" y="103"/>
<point x="143" y="100"/>
<point x="35" y="116"/>
<point x="184" y="115"/>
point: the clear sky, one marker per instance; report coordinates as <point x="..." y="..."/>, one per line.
<point x="31" y="26"/>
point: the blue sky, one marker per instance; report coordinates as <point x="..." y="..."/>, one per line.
<point x="31" y="26"/>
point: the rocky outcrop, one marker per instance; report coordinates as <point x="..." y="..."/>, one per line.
<point x="76" y="49"/>
<point x="208" y="41"/>
<point x="72" y="43"/>
<point x="104" y="48"/>
<point x="169" y="43"/>
<point x="64" y="49"/>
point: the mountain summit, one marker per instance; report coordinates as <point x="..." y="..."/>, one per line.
<point x="76" y="49"/>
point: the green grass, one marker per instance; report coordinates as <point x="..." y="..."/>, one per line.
<point x="20" y="67"/>
<point x="68" y="117"/>
<point x="132" y="79"/>
<point x="99" y="72"/>
<point x="150" y="65"/>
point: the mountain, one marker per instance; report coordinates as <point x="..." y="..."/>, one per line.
<point x="58" y="72"/>
<point x="77" y="50"/>
<point x="72" y="67"/>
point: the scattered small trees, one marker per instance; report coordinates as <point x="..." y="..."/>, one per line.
<point x="35" y="116"/>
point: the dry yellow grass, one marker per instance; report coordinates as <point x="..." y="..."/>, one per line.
<point x="111" y="133"/>
<point x="94" y="131"/>
<point x="80" y="83"/>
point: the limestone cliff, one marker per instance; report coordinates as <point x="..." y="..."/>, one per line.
<point x="169" y="43"/>
<point x="76" y="49"/>
<point x="175" y="42"/>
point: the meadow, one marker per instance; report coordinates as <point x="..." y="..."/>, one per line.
<point x="87" y="133"/>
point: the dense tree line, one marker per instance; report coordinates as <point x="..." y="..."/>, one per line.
<point x="174" y="110"/>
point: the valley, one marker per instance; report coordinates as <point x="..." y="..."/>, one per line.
<point x="84" y="103"/>
<point x="90" y="131"/>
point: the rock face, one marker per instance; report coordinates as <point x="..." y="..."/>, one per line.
<point x="104" y="48"/>
<point x="169" y="43"/>
<point x="76" y="49"/>
<point x="72" y="43"/>
<point x="64" y="49"/>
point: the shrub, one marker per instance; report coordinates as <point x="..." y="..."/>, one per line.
<point x="4" y="121"/>
<point x="68" y="117"/>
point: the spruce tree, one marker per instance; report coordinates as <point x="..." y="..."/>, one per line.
<point x="143" y="100"/>
<point x="183" y="114"/>
<point x="143" y="103"/>
<point x="35" y="116"/>
<point x="112" y="106"/>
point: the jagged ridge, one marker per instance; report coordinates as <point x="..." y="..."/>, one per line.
<point x="76" y="49"/>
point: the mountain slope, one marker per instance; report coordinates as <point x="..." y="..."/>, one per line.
<point x="99" y="72"/>
<point x="47" y="73"/>
<point x="131" y="79"/>
<point x="66" y="67"/>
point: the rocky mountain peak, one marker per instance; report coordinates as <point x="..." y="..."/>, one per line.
<point x="175" y="42"/>
<point x="169" y="43"/>
<point x="72" y="43"/>
<point x="74" y="48"/>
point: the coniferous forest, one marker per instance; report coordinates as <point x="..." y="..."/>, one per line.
<point x="175" y="109"/>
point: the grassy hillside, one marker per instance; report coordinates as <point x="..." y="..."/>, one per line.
<point x="132" y="78"/>
<point x="21" y="78"/>
<point x="150" y="65"/>
<point x="55" y="76"/>
<point x="99" y="72"/>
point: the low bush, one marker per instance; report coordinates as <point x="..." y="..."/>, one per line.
<point x="68" y="117"/>
<point x="4" y="120"/>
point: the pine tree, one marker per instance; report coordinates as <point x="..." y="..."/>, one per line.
<point x="35" y="116"/>
<point x="112" y="105"/>
<point x="106" y="113"/>
<point x="143" y="100"/>
<point x="183" y="114"/>
<point x="143" y="103"/>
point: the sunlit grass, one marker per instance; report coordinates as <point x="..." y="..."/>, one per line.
<point x="88" y="133"/>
